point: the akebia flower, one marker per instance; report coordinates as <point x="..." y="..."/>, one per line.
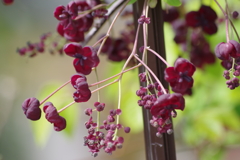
<point x="82" y="93"/>
<point x="31" y="108"/>
<point x="180" y="76"/>
<point x="226" y="50"/>
<point x="205" y="18"/>
<point x="85" y="58"/>
<point x="167" y="103"/>
<point x="52" y="116"/>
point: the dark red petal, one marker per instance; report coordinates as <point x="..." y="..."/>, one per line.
<point x="71" y="49"/>
<point x="236" y="52"/>
<point x="51" y="113"/>
<point x="182" y="87"/>
<point x="208" y="13"/>
<point x="58" y="11"/>
<point x="165" y="100"/>
<point x="223" y="50"/>
<point x="60" y="125"/>
<point x="210" y="28"/>
<point x="184" y="66"/>
<point x="31" y="108"/>
<point x="193" y="19"/>
<point x="170" y="74"/>
<point x="72" y="9"/>
<point x="75" y="77"/>
<point x="60" y="29"/>
<point x="82" y="69"/>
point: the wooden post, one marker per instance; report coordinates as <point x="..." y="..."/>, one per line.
<point x="156" y="42"/>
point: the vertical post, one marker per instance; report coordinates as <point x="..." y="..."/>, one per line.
<point x="154" y="150"/>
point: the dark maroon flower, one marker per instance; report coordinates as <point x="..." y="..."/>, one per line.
<point x="76" y="79"/>
<point x="7" y="2"/>
<point x="180" y="76"/>
<point x="52" y="116"/>
<point x="71" y="27"/>
<point x="83" y="93"/>
<point x="31" y="108"/>
<point x="205" y="17"/>
<point x="85" y="58"/>
<point x="167" y="103"/>
<point x="170" y="14"/>
<point x="224" y="50"/>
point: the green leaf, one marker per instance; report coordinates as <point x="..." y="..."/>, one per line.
<point x="42" y="128"/>
<point x="175" y="3"/>
<point x="152" y="3"/>
<point x="132" y="1"/>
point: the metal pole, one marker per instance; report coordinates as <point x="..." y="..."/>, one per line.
<point x="156" y="42"/>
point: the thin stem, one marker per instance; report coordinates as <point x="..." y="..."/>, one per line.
<point x="95" y="29"/>
<point x="226" y="20"/>
<point x="133" y="51"/>
<point x="110" y="28"/>
<point x="91" y="85"/>
<point x="234" y="30"/>
<point x="156" y="54"/>
<point x="154" y="76"/>
<point x="62" y="109"/>
<point x="98" y="95"/>
<point x="105" y="86"/>
<point x="119" y="105"/>
<point x="84" y="13"/>
<point x="54" y="92"/>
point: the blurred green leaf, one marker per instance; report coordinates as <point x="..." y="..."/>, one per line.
<point x="175" y="3"/>
<point x="152" y="3"/>
<point x="132" y="1"/>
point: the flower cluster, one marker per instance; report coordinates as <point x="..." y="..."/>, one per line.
<point x="195" y="45"/>
<point x="205" y="18"/>
<point x="163" y="109"/>
<point x="96" y="139"/>
<point x="82" y="93"/>
<point x="70" y="26"/>
<point x="32" y="49"/>
<point x="229" y="53"/>
<point x="32" y="111"/>
<point x="180" y="76"/>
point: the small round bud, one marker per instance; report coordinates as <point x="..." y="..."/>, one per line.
<point x="127" y="129"/>
<point x="159" y="135"/>
<point x="169" y="131"/>
<point x="235" y="14"/>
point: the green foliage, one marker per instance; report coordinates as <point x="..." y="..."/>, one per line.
<point x="175" y="3"/>
<point x="132" y="1"/>
<point x="42" y="128"/>
<point x="152" y="3"/>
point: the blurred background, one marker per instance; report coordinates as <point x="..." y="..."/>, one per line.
<point x="208" y="129"/>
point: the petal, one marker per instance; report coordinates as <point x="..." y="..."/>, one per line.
<point x="82" y="69"/>
<point x="184" y="66"/>
<point x="171" y="75"/>
<point x="74" y="79"/>
<point x="208" y="13"/>
<point x="210" y="28"/>
<point x="71" y="49"/>
<point x="193" y="19"/>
